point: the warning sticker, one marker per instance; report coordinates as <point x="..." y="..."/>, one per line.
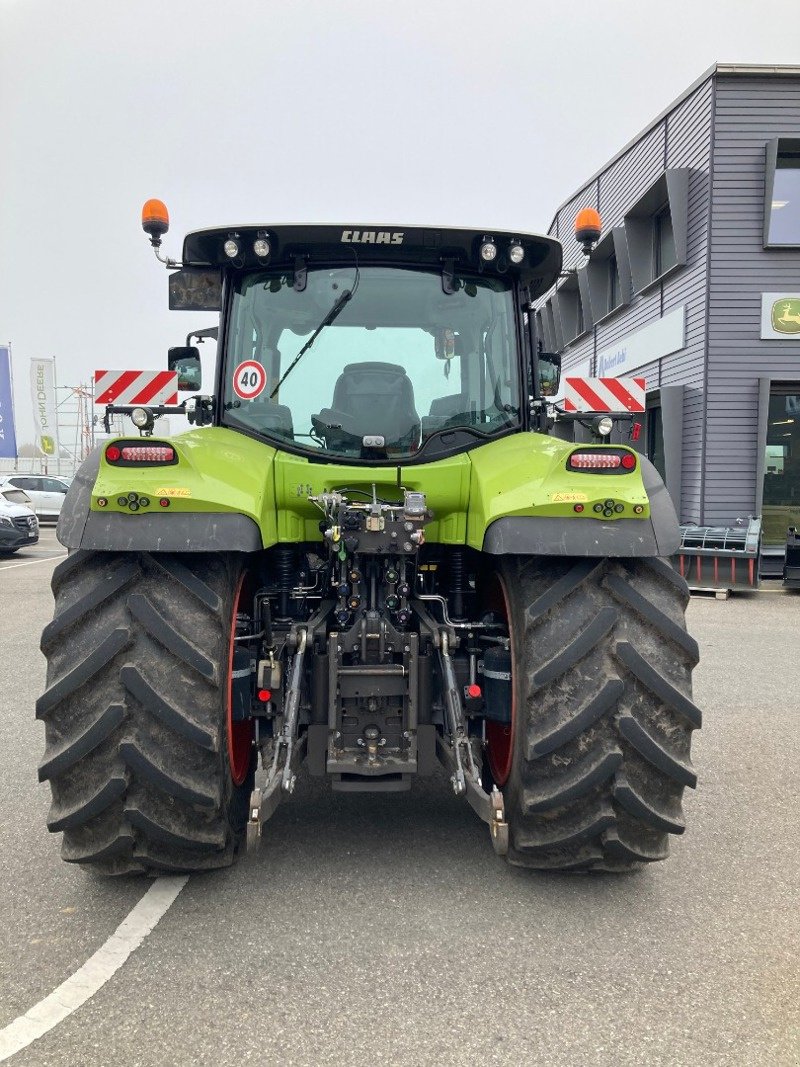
<point x="173" y="491"/>
<point x="249" y="380"/>
<point x="569" y="498"/>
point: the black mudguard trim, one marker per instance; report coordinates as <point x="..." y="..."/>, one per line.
<point x="79" y="527"/>
<point x="658" y="535"/>
<point x="75" y="509"/>
<point x="188" y="532"/>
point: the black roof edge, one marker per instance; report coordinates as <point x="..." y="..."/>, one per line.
<point x="384" y="242"/>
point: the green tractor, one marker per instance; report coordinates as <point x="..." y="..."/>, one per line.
<point x="371" y="554"/>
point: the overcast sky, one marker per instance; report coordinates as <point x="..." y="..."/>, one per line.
<point x="443" y="111"/>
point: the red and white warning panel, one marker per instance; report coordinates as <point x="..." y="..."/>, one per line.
<point x="136" y="387"/>
<point x="604" y="394"/>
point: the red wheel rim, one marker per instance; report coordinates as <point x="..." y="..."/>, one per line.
<point x="240" y="734"/>
<point x="500" y="735"/>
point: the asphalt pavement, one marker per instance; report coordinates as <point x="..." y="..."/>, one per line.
<point x="381" y="929"/>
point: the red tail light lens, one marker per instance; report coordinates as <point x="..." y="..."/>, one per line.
<point x="132" y="453"/>
<point x="594" y="461"/>
<point x="148" y="454"/>
<point x="602" y="461"/>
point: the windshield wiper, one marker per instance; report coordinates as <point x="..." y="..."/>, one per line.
<point x="329" y="318"/>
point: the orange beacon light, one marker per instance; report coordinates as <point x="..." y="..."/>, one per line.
<point x="588" y="228"/>
<point x="155" y="221"/>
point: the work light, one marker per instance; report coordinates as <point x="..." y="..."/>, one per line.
<point x="488" y="251"/>
<point x="231" y="248"/>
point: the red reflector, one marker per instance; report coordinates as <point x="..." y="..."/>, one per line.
<point x="148" y="453"/>
<point x="163" y="502"/>
<point x="112" y="453"/>
<point x="264" y="695"/>
<point x="594" y="461"/>
<point x="578" y="507"/>
<point x="636" y="431"/>
<point x="629" y="461"/>
<point x="473" y="691"/>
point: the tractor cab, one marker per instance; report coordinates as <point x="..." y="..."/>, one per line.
<point x="388" y="344"/>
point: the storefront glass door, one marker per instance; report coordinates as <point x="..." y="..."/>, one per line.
<point x="782" y="468"/>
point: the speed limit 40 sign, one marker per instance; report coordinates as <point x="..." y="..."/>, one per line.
<point x="249" y="380"/>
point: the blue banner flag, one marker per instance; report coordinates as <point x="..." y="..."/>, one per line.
<point x="8" y="436"/>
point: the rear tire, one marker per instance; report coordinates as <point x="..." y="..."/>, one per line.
<point x="136" y="711"/>
<point x="601" y="668"/>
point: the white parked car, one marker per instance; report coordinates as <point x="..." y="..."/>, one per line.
<point x="18" y="525"/>
<point x="46" y="493"/>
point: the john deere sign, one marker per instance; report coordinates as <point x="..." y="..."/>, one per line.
<point x="780" y="315"/>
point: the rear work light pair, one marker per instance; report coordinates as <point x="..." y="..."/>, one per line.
<point x="602" y="462"/>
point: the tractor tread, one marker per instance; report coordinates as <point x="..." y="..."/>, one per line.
<point x="580" y="780"/>
<point x="657" y="684"/>
<point x="640" y="809"/>
<point x="61" y="818"/>
<point x="136" y="752"/>
<point x="157" y="705"/>
<point x="147" y="767"/>
<point x="595" y="709"/>
<point x="604" y="712"/>
<point x="116" y="581"/>
<point x="561" y="589"/>
<point x="154" y="623"/>
<point x="625" y="852"/>
<point x="579" y="648"/>
<point x="626" y="594"/>
<point x="190" y="581"/>
<point x="59" y="760"/>
<point x="557" y="838"/>
<point x="157" y="831"/>
<point x="72" y="562"/>
<point x="86" y="669"/>
<point x="654" y="751"/>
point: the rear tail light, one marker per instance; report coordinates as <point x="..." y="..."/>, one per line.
<point x="130" y="453"/>
<point x="148" y="454"/>
<point x="605" y="460"/>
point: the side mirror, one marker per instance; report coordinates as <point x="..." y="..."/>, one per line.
<point x="186" y="361"/>
<point x="549" y="373"/>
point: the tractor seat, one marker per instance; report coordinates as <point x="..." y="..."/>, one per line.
<point x="269" y="416"/>
<point x="373" y="399"/>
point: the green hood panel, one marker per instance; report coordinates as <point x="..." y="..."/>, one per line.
<point x="220" y="470"/>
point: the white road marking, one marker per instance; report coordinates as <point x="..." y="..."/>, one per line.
<point x="11" y="566"/>
<point x="93" y="975"/>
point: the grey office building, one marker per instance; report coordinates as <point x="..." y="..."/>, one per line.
<point x="695" y="286"/>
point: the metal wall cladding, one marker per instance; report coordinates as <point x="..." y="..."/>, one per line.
<point x="750" y="111"/>
<point x="680" y="138"/>
<point x="718" y="130"/>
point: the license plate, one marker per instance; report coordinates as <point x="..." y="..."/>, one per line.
<point x="31" y="535"/>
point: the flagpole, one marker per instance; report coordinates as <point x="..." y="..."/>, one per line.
<point x="55" y="411"/>
<point x="13" y="407"/>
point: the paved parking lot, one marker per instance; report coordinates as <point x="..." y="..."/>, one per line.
<point x="381" y="929"/>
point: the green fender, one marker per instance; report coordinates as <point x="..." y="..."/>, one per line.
<point x="230" y="492"/>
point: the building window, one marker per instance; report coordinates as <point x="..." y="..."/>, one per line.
<point x="664" y="256"/>
<point x="569" y="310"/>
<point x="656" y="229"/>
<point x="782" y="209"/>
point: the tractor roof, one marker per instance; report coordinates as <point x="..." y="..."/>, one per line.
<point x="378" y="244"/>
